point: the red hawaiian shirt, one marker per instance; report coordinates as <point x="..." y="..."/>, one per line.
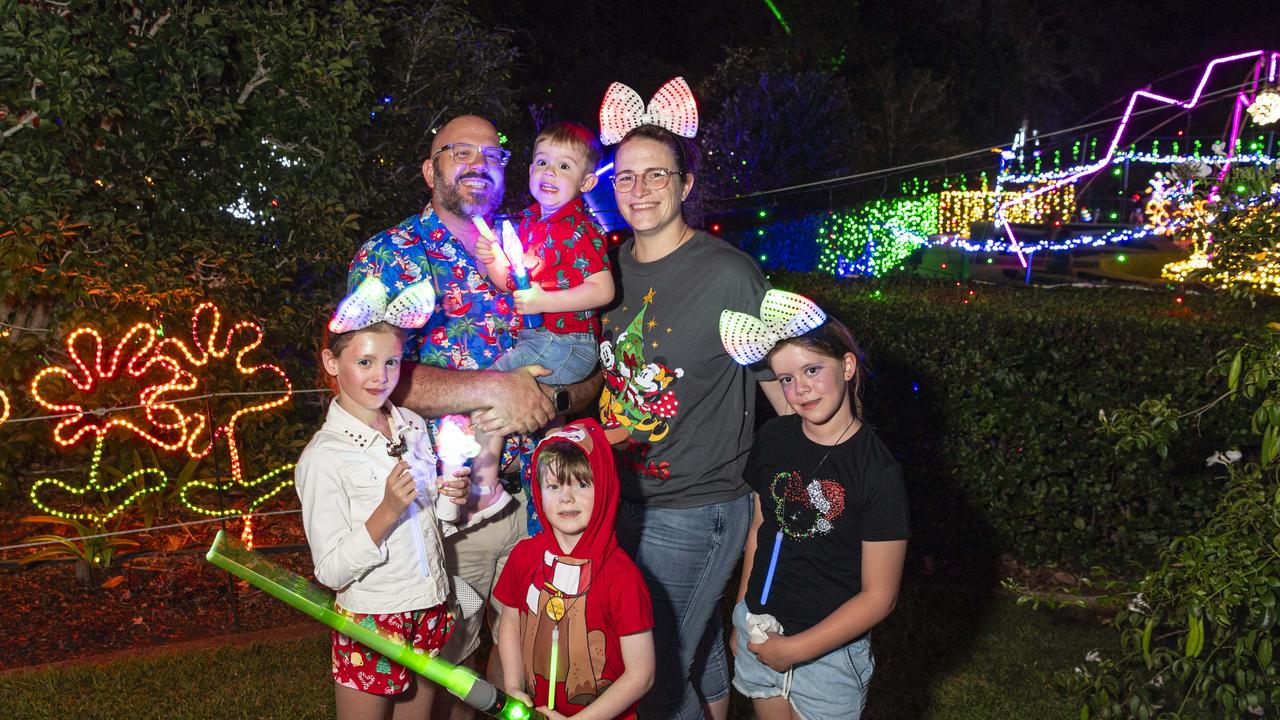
<point x="568" y="247"/>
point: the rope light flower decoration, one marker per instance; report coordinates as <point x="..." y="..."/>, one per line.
<point x="93" y="373"/>
<point x="213" y="346"/>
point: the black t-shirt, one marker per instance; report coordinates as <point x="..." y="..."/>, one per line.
<point x="856" y="494"/>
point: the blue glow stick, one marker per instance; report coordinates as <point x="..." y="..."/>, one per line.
<point x="773" y="565"/>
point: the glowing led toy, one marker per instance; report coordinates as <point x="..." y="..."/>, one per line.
<point x="514" y="250"/>
<point x="302" y="595"/>
<point x="1257" y="55"/>
<point x="672" y="107"/>
<point x="4" y="404"/>
<point x="454" y="446"/>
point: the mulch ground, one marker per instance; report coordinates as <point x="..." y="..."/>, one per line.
<point x="144" y="600"/>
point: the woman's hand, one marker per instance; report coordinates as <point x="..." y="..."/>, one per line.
<point x="774" y="652"/>
<point x="401" y="489"/>
<point x="520" y="695"/>
<point x="458" y="487"/>
<point x="550" y="714"/>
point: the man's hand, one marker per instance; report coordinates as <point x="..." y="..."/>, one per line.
<point x="519" y="403"/>
<point x="484" y="250"/>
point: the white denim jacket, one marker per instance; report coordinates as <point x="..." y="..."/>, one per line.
<point x="341" y="477"/>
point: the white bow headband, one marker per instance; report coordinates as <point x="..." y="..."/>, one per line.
<point x="672" y="107"/>
<point x="368" y="305"/>
<point x="783" y="315"/>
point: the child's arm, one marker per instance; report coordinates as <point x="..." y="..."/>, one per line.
<point x="594" y="292"/>
<point x="635" y="681"/>
<point x="881" y="577"/>
<point x="495" y="263"/>
<point x="343" y="548"/>
<point x="509" y="653"/>
<point x="401" y="489"/>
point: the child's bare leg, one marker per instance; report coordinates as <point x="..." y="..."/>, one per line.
<point x="416" y="703"/>
<point x="774" y="708"/>
<point x="356" y="705"/>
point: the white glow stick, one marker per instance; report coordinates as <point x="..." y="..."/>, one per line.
<point x="455" y="447"/>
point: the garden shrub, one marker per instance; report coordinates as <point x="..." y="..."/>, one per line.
<point x="1198" y="632"/>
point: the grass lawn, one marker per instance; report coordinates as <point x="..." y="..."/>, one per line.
<point x="949" y="652"/>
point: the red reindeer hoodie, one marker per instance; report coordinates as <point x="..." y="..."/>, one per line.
<point x="576" y="604"/>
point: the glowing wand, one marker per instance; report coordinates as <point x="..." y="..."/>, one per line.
<point x="514" y="250"/>
<point x="294" y="589"/>
<point x="455" y="446"/>
<point x="773" y="565"/>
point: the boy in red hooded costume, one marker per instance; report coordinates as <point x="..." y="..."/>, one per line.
<point x="576" y="631"/>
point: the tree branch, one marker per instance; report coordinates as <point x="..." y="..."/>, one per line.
<point x="259" y="77"/>
<point x="155" y="27"/>
<point x="23" y="121"/>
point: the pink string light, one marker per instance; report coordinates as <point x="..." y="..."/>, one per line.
<point x="1119" y="133"/>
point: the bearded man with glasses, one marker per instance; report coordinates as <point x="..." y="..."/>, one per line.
<point x="469" y="328"/>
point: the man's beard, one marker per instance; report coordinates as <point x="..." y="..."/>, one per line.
<point x="453" y="199"/>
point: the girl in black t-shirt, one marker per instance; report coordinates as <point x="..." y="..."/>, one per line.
<point x="824" y="558"/>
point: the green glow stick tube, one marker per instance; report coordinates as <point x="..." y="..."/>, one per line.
<point x="292" y="588"/>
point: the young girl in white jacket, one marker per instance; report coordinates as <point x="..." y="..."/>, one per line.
<point x="364" y="481"/>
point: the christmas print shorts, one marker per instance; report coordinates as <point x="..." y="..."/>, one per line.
<point x="360" y="668"/>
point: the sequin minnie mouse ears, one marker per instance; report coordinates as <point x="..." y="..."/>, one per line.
<point x="369" y="305"/>
<point x="672" y="107"/>
<point x="783" y="315"/>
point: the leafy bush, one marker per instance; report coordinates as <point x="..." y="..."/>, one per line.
<point x="991" y="396"/>
<point x="1198" y="632"/>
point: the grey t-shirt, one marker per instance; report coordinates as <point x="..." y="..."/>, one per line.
<point x="688" y="406"/>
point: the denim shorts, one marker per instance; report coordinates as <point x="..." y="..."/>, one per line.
<point x="830" y="686"/>
<point x="570" y="357"/>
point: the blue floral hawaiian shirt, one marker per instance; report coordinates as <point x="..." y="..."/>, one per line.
<point x="471" y="324"/>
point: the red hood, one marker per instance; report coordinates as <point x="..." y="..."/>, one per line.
<point x="598" y="540"/>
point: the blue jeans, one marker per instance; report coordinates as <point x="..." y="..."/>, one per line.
<point x="833" y="685"/>
<point x="569" y="356"/>
<point x="686" y="556"/>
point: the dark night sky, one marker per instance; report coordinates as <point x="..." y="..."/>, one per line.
<point x="1068" y="62"/>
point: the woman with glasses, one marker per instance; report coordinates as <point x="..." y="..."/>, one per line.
<point x="687" y="411"/>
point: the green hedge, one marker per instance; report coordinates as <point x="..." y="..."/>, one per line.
<point x="990" y="395"/>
